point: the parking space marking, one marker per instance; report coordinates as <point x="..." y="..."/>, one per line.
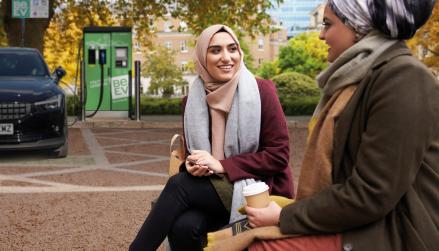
<point x="118" y="131"/>
<point x="78" y="189"/>
<point x="94" y="147"/>
<point x="31" y="180"/>
<point x="155" y="174"/>
<point x="57" y="172"/>
<point x="134" y="163"/>
<point x="138" y="154"/>
<point x="43" y="161"/>
<point x="138" y="143"/>
<point x="97" y="160"/>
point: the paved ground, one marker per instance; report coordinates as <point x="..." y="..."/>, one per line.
<point x="97" y="197"/>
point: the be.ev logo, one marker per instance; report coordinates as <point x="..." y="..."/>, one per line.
<point x="20" y="8"/>
<point x="119" y="87"/>
<point x="30" y="9"/>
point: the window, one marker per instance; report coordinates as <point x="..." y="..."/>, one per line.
<point x="183" y="46"/>
<point x="261" y="44"/>
<point x="16" y="63"/>
<point x="304" y="8"/>
<point x="168" y="45"/>
<point x="424" y="52"/>
<point x="183" y="26"/>
<point x="280" y="35"/>
<point x="137" y="46"/>
<point x="167" y="26"/>
<point x="183" y="66"/>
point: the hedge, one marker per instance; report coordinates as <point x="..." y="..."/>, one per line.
<point x="162" y="106"/>
<point x="293" y="84"/>
<point x="299" y="105"/>
<point x="73" y="106"/>
<point x="158" y="106"/>
<point x="298" y="93"/>
<point x="149" y="106"/>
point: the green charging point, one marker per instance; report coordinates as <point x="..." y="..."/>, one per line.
<point x="107" y="64"/>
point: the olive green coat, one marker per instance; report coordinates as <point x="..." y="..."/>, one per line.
<point x="385" y="192"/>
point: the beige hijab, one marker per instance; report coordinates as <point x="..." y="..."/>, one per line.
<point x="220" y="95"/>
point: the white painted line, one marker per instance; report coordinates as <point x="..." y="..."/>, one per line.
<point x="114" y="138"/>
<point x="157" y="142"/>
<point x="94" y="147"/>
<point x="138" y="172"/>
<point x="57" y="172"/>
<point x="135" y="163"/>
<point x="35" y="181"/>
<point x="78" y="189"/>
<point x="116" y="131"/>
<point x="25" y="165"/>
<point x="70" y="161"/>
<point x="136" y="154"/>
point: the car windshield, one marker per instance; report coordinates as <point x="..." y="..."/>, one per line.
<point x="21" y="64"/>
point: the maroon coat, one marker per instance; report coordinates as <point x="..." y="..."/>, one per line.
<point x="271" y="162"/>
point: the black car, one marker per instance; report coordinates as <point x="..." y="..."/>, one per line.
<point x="32" y="105"/>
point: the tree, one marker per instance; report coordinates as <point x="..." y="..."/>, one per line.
<point x="248" y="16"/>
<point x="291" y="85"/>
<point x="248" y="58"/>
<point x="245" y="15"/>
<point x="34" y="27"/>
<point x="3" y="38"/>
<point x="63" y="37"/>
<point x="138" y="14"/>
<point x="426" y="41"/>
<point x="164" y="74"/>
<point x="305" y="53"/>
<point x="268" y="70"/>
<point x="298" y="93"/>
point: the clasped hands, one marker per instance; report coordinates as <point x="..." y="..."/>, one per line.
<point x="202" y="163"/>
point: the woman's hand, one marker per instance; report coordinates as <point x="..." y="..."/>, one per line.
<point x="260" y="217"/>
<point x="197" y="170"/>
<point x="203" y="158"/>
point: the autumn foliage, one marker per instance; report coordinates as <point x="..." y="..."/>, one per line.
<point x="425" y="44"/>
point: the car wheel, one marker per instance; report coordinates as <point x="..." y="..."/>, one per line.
<point x="61" y="152"/>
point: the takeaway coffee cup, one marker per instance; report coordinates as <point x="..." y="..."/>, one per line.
<point x="256" y="195"/>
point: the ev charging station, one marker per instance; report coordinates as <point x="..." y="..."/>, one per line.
<point x="106" y="89"/>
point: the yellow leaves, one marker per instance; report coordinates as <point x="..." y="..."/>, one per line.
<point x="63" y="36"/>
<point x="305" y="53"/>
<point x="425" y="44"/>
<point x="248" y="15"/>
<point x="3" y="38"/>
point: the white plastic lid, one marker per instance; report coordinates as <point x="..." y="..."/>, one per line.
<point x="255" y="188"/>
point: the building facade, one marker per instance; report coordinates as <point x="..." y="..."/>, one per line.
<point x="173" y="34"/>
<point x="294" y="15"/>
<point x="316" y="18"/>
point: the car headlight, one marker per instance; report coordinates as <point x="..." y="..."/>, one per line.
<point x="50" y="103"/>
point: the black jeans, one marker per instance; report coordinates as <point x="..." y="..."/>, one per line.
<point x="186" y="210"/>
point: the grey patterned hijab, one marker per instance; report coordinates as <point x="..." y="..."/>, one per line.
<point x="398" y="19"/>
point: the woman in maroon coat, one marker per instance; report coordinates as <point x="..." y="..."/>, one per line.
<point x="236" y="134"/>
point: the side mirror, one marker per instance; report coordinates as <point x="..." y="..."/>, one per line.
<point x="59" y="73"/>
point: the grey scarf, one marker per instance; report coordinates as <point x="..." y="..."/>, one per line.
<point x="352" y="65"/>
<point x="242" y="128"/>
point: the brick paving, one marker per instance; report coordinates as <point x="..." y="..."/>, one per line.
<point x="97" y="197"/>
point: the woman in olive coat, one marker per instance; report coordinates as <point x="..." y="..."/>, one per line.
<point x="372" y="183"/>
